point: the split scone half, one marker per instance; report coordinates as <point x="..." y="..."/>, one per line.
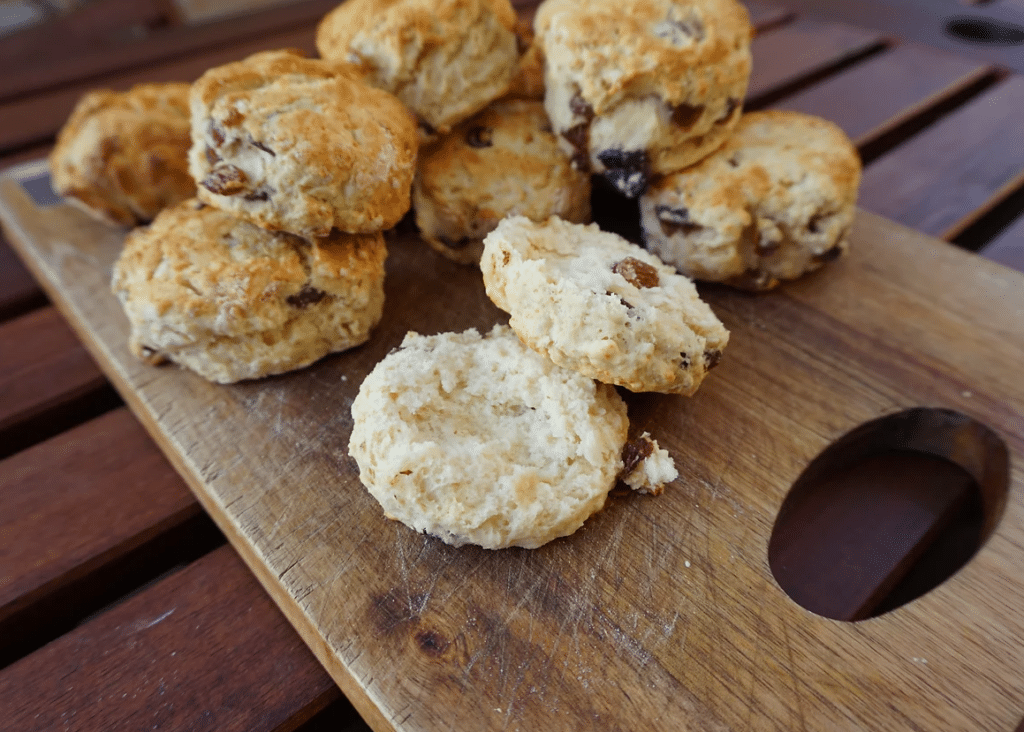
<point x="597" y="304"/>
<point x="478" y="439"/>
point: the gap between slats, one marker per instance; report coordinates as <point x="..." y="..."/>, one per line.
<point x="207" y="633"/>
<point x="89" y="516"/>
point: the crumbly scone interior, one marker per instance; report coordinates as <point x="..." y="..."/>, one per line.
<point x="478" y="439"/>
<point x="593" y="302"/>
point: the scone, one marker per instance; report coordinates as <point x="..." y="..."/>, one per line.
<point x="231" y="301"/>
<point x="637" y="88"/>
<point x="595" y="303"/>
<point x="446" y="59"/>
<point x="123" y="156"/>
<point x="477" y="439"/>
<point x="528" y="81"/>
<point x="298" y="145"/>
<point x="777" y="201"/>
<point x="503" y="161"/>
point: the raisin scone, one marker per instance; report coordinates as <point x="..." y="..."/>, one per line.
<point x="123" y="156"/>
<point x="230" y="301"/>
<point x="477" y="439"/>
<point x="445" y="59"/>
<point x="503" y="161"/>
<point x="595" y="303"/>
<point x="299" y="145"/>
<point x="637" y="88"/>
<point x="775" y="202"/>
<point x="528" y="81"/>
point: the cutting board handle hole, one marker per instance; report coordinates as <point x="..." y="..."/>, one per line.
<point x="888" y="512"/>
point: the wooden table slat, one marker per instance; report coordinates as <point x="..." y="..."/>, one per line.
<point x="943" y="179"/>
<point x="39" y="117"/>
<point x="76" y="506"/>
<point x="19" y="291"/>
<point x="784" y="56"/>
<point x="884" y="91"/>
<point x="765" y="15"/>
<point x="161" y="44"/>
<point x="1008" y="247"/>
<point x="203" y="649"/>
<point x="42" y="366"/>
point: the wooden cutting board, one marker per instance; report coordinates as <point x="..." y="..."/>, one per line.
<point x="662" y="612"/>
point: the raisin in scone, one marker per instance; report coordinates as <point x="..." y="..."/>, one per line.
<point x="637" y="88"/>
<point x="595" y="303"/>
<point x="503" y="161"/>
<point x="123" y="156"/>
<point x="231" y="301"/>
<point x="446" y="59"/>
<point x="775" y="202"/>
<point x="298" y="145"/>
<point x="477" y="439"/>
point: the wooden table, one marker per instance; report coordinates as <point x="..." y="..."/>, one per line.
<point x="121" y="603"/>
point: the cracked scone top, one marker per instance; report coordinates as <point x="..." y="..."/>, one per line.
<point x="123" y="156"/>
<point x="775" y="202"/>
<point x="231" y="301"/>
<point x="298" y="145"/>
<point x="502" y="161"/>
<point x="445" y="59"/>
<point x="595" y="303"/>
<point x="641" y="87"/>
<point x="477" y="439"/>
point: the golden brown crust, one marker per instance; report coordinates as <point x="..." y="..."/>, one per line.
<point x="445" y="59"/>
<point x="231" y="301"/>
<point x="123" y="156"/>
<point x="776" y="201"/>
<point x="502" y="161"/>
<point x="638" y="88"/>
<point x="301" y="145"/>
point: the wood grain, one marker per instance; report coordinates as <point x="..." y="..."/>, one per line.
<point x="946" y="177"/>
<point x="766" y="15"/>
<point x="784" y="56"/>
<point x="207" y="634"/>
<point x="18" y="291"/>
<point x="661" y="612"/>
<point x="38" y="117"/>
<point x="887" y="90"/>
<point x="42" y="365"/>
<point x="80" y="514"/>
<point x="924" y="21"/>
<point x="158" y="46"/>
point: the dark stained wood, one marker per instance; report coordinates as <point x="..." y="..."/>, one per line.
<point x="42" y="366"/>
<point x="91" y="24"/>
<point x="925" y="21"/>
<point x="845" y="542"/>
<point x="202" y="649"/>
<point x="160" y="45"/>
<point x="943" y="179"/>
<point x="886" y="90"/>
<point x="38" y="117"/>
<point x="798" y="50"/>
<point x="18" y="290"/>
<point x="76" y="504"/>
<point x="765" y="15"/>
<point x="1008" y="247"/>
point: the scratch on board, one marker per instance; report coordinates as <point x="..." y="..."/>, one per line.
<point x="141" y="625"/>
